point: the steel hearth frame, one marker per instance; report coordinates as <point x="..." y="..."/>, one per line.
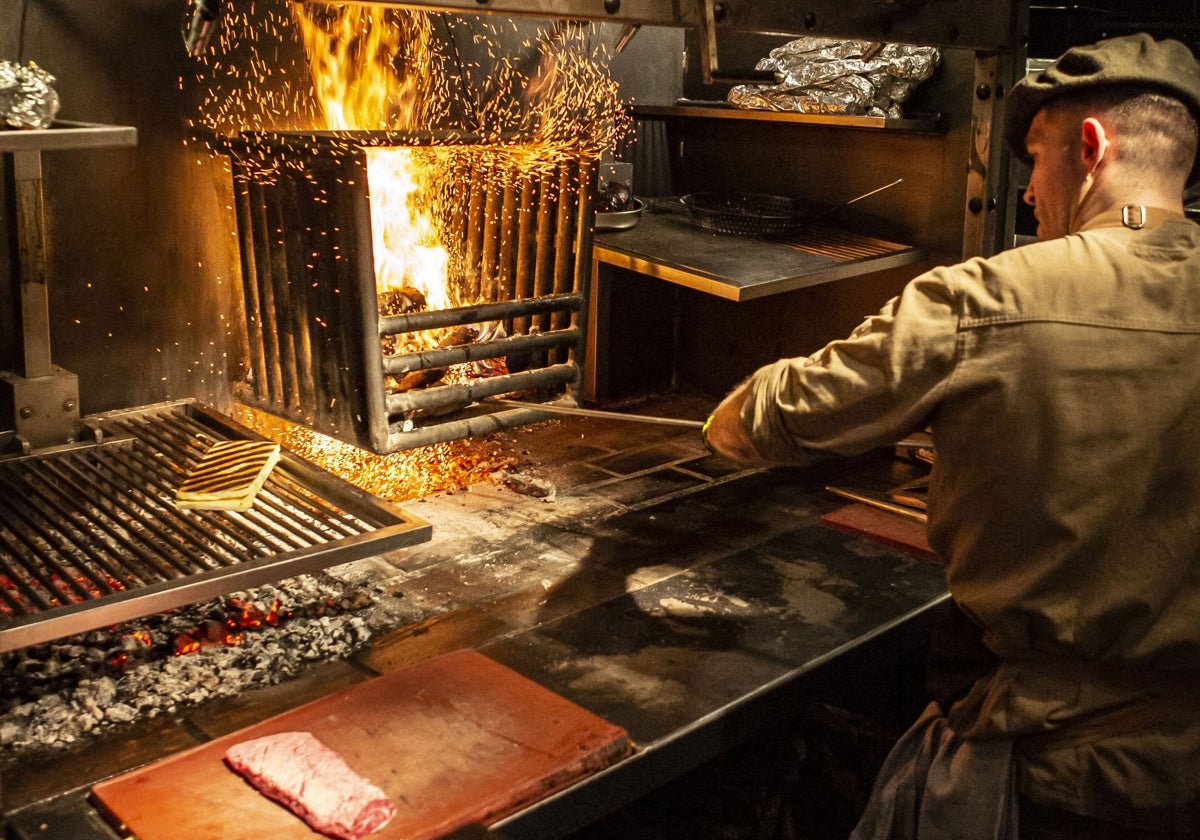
<point x="314" y="331"/>
<point x="90" y="535"/>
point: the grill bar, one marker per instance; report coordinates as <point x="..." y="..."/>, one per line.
<point x="467" y="393"/>
<point x="460" y="316"/>
<point x="90" y="536"/>
<point x="502" y="348"/>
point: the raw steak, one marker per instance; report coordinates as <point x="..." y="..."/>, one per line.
<point x="313" y="782"/>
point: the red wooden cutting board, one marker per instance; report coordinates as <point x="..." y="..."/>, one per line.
<point x="456" y="740"/>
<point x="882" y="527"/>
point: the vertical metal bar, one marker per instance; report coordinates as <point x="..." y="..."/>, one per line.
<point x="489" y="259"/>
<point x="31" y="247"/>
<point x="563" y="252"/>
<point x="472" y="252"/>
<point x="583" y="232"/>
<point x="506" y="269"/>
<point x="526" y="253"/>
<point x="291" y="250"/>
<point x="276" y="267"/>
<point x="544" y="262"/>
<point x="251" y="224"/>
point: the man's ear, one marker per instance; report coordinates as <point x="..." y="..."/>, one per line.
<point x="1096" y="144"/>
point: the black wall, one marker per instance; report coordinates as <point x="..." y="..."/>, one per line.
<point x="142" y="249"/>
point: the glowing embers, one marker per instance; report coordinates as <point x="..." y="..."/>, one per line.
<point x="57" y="693"/>
<point x="394" y="477"/>
<point x="228" y="629"/>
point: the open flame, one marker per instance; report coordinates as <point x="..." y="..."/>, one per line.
<point x="530" y="103"/>
<point x="376" y="69"/>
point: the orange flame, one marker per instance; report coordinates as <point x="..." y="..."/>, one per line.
<point x="374" y="68"/>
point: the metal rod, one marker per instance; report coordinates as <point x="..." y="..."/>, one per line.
<point x="559" y="408"/>
<point x="900" y="510"/>
<point x="462" y="395"/>
<point x="436" y="318"/>
<point x="446" y="356"/>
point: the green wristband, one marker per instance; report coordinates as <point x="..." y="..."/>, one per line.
<point x="704" y="435"/>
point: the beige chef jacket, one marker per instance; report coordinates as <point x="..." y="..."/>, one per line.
<point x="1062" y="383"/>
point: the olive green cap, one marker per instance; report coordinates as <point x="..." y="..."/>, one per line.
<point x="1138" y="59"/>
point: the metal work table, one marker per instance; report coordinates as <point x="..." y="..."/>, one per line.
<point x="689" y="602"/>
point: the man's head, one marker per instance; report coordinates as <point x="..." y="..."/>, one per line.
<point x="1121" y="110"/>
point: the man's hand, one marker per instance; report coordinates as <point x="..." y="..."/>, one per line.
<point x="723" y="432"/>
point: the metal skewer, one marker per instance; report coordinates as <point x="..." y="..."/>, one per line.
<point x="900" y="510"/>
<point x="558" y="408"/>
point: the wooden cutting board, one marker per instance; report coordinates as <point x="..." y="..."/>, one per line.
<point x="882" y="527"/>
<point x="456" y="740"/>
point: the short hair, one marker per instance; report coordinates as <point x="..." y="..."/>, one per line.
<point x="1153" y="130"/>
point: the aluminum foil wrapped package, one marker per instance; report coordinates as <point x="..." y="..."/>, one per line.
<point x="828" y="76"/>
<point x="27" y="96"/>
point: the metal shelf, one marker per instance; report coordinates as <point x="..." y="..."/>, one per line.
<point x="740" y="268"/>
<point x="718" y="110"/>
<point x="67" y="135"/>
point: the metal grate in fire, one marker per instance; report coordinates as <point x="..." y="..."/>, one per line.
<point x="340" y="337"/>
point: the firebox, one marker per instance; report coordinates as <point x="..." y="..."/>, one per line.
<point x="330" y="345"/>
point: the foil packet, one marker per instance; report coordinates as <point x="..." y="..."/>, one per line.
<point x="27" y="96"/>
<point x="829" y="76"/>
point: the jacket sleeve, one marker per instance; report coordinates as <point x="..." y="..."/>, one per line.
<point x="867" y="390"/>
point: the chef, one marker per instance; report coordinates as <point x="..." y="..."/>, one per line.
<point x="1062" y="384"/>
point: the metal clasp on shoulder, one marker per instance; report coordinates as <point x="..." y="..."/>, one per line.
<point x="1133" y="216"/>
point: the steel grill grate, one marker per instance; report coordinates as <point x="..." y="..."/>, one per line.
<point x="90" y="536"/>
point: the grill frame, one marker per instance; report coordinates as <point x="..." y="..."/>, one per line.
<point x="313" y="332"/>
<point x="304" y="520"/>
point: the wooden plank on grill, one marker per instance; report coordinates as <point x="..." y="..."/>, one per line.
<point x="453" y="741"/>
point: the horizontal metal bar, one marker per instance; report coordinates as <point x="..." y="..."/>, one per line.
<point x="576" y="411"/>
<point x="402" y="436"/>
<point x="434" y="319"/>
<point x="442" y="396"/>
<point x="640" y="12"/>
<point x="446" y="356"/>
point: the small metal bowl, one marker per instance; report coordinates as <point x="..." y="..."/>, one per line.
<point x="620" y="219"/>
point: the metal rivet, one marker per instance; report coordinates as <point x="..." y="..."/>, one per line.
<point x="975" y="205"/>
<point x="718" y="12"/>
<point x="612" y="6"/>
<point x="26" y="412"/>
<point x="68" y="404"/>
<point x="983" y="92"/>
<point x="810" y="20"/>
